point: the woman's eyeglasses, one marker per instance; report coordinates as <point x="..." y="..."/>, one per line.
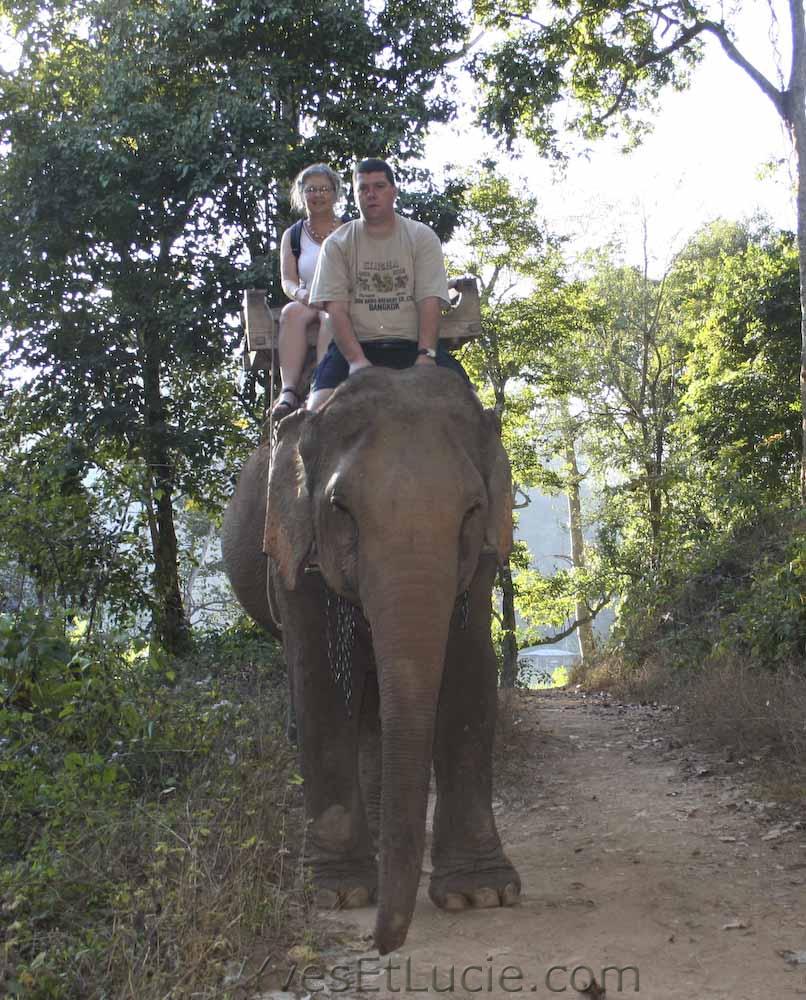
<point x="323" y="189"/>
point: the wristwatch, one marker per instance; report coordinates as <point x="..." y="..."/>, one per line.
<point x="428" y="351"/>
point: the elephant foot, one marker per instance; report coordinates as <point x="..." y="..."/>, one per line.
<point x="481" y="888"/>
<point x="344" y="885"/>
<point x="344" y="899"/>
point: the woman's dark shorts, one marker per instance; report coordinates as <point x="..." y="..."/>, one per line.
<point x="333" y="369"/>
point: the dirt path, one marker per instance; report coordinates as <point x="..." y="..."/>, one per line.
<point x="633" y="853"/>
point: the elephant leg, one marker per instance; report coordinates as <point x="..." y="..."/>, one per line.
<point x="469" y="867"/>
<point x="369" y="755"/>
<point x="291" y="714"/>
<point x="338" y="848"/>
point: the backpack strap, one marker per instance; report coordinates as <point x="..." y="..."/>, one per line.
<point x="296" y="238"/>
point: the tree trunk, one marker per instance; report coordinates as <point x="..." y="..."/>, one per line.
<point x="509" y="668"/>
<point x="655" y="510"/>
<point x="170" y="624"/>
<point x="587" y="644"/>
<point x="799" y="138"/>
<point x="790" y="103"/>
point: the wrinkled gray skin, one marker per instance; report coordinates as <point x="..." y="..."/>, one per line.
<point x="399" y="491"/>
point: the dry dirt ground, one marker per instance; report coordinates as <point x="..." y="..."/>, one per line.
<point x="636" y="854"/>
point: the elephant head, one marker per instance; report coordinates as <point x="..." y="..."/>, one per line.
<point x="394" y="489"/>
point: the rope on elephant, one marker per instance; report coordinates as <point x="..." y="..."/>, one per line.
<point x="272" y="437"/>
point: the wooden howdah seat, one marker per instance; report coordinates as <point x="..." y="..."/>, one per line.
<point x="461" y="321"/>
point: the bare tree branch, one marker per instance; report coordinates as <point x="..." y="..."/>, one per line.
<point x="548" y="640"/>
<point x="465" y="49"/>
<point x="797" y="75"/>
<point x="733" y="53"/>
<point x="686" y="36"/>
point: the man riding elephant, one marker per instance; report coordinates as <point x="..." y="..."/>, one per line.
<point x="381" y="280"/>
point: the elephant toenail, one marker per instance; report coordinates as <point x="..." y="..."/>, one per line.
<point x="510" y="894"/>
<point x="485" y="899"/>
<point x="454" y="901"/>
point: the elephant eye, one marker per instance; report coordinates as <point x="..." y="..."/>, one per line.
<point x="338" y="504"/>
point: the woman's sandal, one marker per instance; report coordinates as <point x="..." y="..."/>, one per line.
<point x="283" y="407"/>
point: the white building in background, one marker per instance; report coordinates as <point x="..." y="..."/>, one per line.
<point x="545" y="666"/>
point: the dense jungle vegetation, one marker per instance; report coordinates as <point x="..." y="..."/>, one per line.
<point x="149" y="819"/>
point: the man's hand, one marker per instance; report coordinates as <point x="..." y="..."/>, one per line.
<point x="429" y="315"/>
<point x="346" y="340"/>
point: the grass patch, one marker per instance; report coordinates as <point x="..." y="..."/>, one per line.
<point x="151" y="816"/>
<point x="725" y="640"/>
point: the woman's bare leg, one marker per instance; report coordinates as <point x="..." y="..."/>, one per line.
<point x="293" y="346"/>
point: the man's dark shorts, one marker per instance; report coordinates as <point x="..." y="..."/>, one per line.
<point x="333" y="369"/>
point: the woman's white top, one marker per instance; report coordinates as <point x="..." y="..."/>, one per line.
<point x="309" y="254"/>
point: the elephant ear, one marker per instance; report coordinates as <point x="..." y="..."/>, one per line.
<point x="498" y="479"/>
<point x="289" y="527"/>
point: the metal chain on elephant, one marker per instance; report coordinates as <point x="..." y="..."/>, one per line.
<point x="340" y="641"/>
<point x="341" y="638"/>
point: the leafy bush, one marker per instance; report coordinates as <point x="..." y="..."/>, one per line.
<point x="148" y="806"/>
<point x="741" y="597"/>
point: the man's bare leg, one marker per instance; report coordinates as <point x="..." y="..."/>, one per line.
<point x="318" y="398"/>
<point x="325" y="336"/>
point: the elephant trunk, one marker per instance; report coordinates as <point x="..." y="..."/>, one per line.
<point x="410" y="619"/>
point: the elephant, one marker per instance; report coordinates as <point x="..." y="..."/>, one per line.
<point x="388" y="513"/>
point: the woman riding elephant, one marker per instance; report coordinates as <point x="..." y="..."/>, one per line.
<point x="314" y="192"/>
<point x="388" y="513"/>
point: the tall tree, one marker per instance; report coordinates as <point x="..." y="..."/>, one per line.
<point x="146" y="151"/>
<point x="611" y="59"/>
<point x="629" y="360"/>
<point x="527" y="313"/>
<point x="583" y="615"/>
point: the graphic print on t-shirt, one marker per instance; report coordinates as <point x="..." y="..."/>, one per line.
<point x="382" y="285"/>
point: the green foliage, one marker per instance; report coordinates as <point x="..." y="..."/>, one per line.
<point x="686" y="419"/>
<point x="145" y="807"/>
<point x="528" y="309"/>
<point x="603" y="64"/>
<point x="529" y="314"/>
<point x="740" y="405"/>
<point x="740" y="599"/>
<point x="147" y="152"/>
<point x="68" y="530"/>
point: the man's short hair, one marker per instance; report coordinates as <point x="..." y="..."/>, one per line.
<point x="373" y="166"/>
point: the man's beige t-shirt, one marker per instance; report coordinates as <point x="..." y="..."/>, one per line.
<point x="382" y="279"/>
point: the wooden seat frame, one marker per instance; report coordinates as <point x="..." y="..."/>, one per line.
<point x="461" y="321"/>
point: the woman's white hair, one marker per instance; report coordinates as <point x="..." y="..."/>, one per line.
<point x="316" y="169"/>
